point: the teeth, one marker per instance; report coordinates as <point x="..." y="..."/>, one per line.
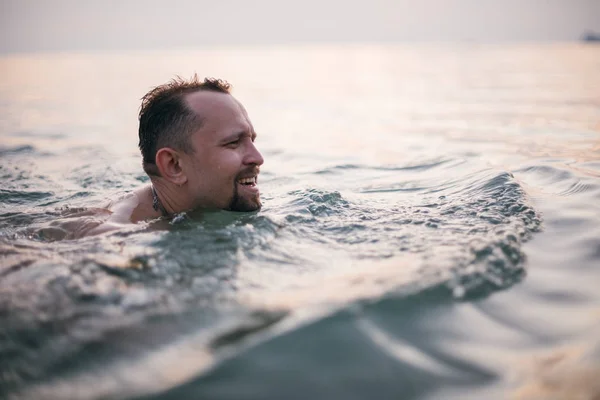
<point x="246" y="181"/>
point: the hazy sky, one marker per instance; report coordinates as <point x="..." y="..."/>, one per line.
<point x="51" y="25"/>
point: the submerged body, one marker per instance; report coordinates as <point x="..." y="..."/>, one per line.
<point x="133" y="208"/>
<point x="74" y="223"/>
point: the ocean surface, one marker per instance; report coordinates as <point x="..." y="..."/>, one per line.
<point x="430" y="229"/>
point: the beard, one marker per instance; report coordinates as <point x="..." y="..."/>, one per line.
<point x="244" y="204"/>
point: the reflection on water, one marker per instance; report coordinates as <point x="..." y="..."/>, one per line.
<point x="431" y="221"/>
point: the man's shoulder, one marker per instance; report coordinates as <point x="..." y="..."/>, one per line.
<point x="132" y="208"/>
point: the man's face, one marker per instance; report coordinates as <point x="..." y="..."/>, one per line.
<point x="223" y="169"/>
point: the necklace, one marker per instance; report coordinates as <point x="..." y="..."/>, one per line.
<point x="156" y="204"/>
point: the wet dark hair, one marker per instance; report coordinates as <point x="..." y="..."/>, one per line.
<point x="165" y="119"/>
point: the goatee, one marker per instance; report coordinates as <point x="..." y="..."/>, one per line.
<point x="242" y="204"/>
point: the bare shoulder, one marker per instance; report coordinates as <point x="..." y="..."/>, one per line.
<point x="128" y="210"/>
<point x="133" y="208"/>
<point x="122" y="210"/>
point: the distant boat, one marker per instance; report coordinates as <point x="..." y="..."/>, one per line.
<point x="590" y="36"/>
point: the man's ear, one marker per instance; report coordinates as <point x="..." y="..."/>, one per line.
<point x="168" y="162"/>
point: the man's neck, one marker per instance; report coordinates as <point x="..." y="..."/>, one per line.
<point x="166" y="199"/>
<point x="157" y="204"/>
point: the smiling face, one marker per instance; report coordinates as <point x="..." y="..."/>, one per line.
<point x="222" y="170"/>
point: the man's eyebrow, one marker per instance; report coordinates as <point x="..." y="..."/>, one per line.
<point x="238" y="135"/>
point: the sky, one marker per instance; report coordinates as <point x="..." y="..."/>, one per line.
<point x="88" y="25"/>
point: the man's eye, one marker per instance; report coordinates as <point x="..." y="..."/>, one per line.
<point x="233" y="143"/>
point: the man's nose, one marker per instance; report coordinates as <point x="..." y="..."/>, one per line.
<point x="253" y="156"/>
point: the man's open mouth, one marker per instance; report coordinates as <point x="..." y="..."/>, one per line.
<point x="247" y="181"/>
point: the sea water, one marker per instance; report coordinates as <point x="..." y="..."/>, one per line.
<point x="430" y="229"/>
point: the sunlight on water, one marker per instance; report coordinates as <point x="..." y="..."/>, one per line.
<point x="430" y="221"/>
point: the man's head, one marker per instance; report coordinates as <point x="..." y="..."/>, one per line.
<point x="197" y="138"/>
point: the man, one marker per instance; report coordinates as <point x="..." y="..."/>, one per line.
<point x="197" y="146"/>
